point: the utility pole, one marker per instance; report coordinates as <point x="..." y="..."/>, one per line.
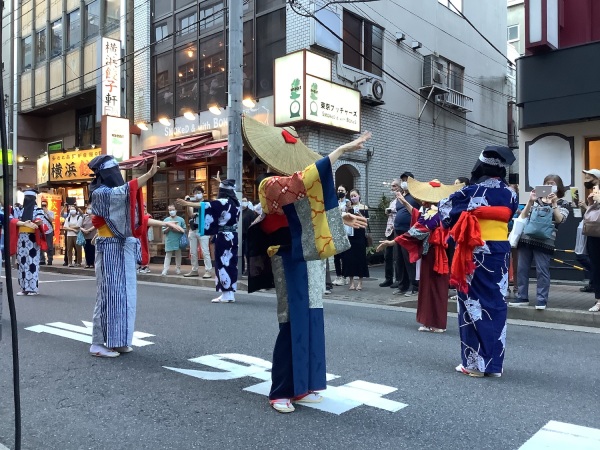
<point x="129" y="102"/>
<point x="234" y="106"/>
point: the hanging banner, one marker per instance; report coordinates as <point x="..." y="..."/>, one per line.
<point x="109" y="89"/>
<point x="115" y="137"/>
<point x="43" y="166"/>
<point x="72" y="166"/>
<point x="54" y="204"/>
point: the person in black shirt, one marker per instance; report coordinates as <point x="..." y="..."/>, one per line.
<point x="406" y="271"/>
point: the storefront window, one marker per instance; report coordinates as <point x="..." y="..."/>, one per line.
<point x="92" y="19"/>
<point x="40" y="46"/>
<point x="163" y="72"/>
<point x="270" y="44"/>
<point x="212" y="70"/>
<point x="74" y="29"/>
<point x="187" y="80"/>
<point x="26" y="52"/>
<point x="56" y="39"/>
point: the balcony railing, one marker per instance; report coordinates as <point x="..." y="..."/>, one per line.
<point x="455" y="100"/>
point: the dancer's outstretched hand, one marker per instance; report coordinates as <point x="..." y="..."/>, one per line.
<point x="354" y="221"/>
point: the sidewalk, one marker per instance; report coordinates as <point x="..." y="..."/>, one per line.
<point x="566" y="305"/>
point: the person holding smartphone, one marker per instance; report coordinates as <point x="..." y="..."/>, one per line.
<point x="355" y="259"/>
<point x="591" y="180"/>
<point x="536" y="247"/>
<point x="389" y="253"/>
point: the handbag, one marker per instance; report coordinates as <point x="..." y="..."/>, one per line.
<point x="591" y="221"/>
<point x="183" y="242"/>
<point x="517" y="230"/>
<point x="539" y="225"/>
<point x="580" y="241"/>
<point x="80" y="239"/>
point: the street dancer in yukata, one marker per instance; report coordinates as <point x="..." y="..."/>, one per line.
<point x="32" y="239"/>
<point x="478" y="216"/>
<point x="118" y="210"/>
<point x="219" y="218"/>
<point x="302" y="210"/>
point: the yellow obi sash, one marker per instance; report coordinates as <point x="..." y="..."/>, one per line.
<point x="104" y="231"/>
<point x="26" y="230"/>
<point x="493" y="230"/>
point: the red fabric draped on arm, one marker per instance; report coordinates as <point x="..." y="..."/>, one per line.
<point x="40" y="235"/>
<point x="438" y="242"/>
<point x="467" y="235"/>
<point x="141" y="231"/>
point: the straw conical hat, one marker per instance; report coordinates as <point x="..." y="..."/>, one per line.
<point x="278" y="148"/>
<point x="431" y="191"/>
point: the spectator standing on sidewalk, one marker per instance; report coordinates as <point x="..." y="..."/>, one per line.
<point x="591" y="180"/>
<point x="89" y="233"/>
<point x="355" y="258"/>
<point x="197" y="195"/>
<point x="389" y="254"/>
<point x="406" y="271"/>
<point x="72" y="225"/>
<point x="540" y="248"/>
<point x="172" y="240"/>
<point x="48" y="220"/>
<point x="343" y="204"/>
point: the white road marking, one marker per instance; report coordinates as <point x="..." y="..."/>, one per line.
<point x="83" y="334"/>
<point x="67" y="281"/>
<point x="337" y="399"/>
<point x="560" y="435"/>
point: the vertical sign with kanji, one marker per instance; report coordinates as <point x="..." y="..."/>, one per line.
<point x="109" y="91"/>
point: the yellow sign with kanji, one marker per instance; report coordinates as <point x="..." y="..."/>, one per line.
<point x="72" y="166"/>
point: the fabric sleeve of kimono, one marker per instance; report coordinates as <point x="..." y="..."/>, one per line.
<point x="452" y="207"/>
<point x="277" y="192"/>
<point x="113" y="205"/>
<point x="208" y="217"/>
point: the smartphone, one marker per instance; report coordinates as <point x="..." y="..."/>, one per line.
<point x="574" y="194"/>
<point x="543" y="191"/>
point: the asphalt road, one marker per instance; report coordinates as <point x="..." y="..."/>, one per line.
<point x="71" y="400"/>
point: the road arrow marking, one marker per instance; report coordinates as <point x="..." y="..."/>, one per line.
<point x="559" y="435"/>
<point x="83" y="334"/>
<point x="337" y="399"/>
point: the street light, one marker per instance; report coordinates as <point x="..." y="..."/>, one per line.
<point x="189" y="115"/>
<point x="142" y="126"/>
<point x="249" y="102"/>
<point x="215" y="109"/>
<point x="164" y="120"/>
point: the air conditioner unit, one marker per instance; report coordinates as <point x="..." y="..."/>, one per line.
<point x="371" y="91"/>
<point x="435" y="72"/>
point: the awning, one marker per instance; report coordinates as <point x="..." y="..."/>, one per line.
<point x="173" y="147"/>
<point x="205" y="150"/>
<point x="134" y="162"/>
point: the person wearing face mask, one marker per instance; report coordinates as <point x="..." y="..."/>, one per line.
<point x="72" y="225"/>
<point x="172" y="239"/>
<point x="48" y="220"/>
<point x="248" y="216"/>
<point x="355" y="259"/>
<point x="539" y="248"/>
<point x="194" y="238"/>
<point x="406" y="272"/>
<point x="591" y="180"/>
<point x="343" y="204"/>
<point x="89" y="232"/>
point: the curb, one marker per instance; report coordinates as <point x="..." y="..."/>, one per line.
<point x="529" y="313"/>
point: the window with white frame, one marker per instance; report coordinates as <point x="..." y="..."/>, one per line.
<point x="452" y="5"/>
<point x="512" y="33"/>
<point x="362" y="38"/>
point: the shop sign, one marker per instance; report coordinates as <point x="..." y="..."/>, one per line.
<point x="115" y="137"/>
<point x="72" y="166"/>
<point x="56" y="146"/>
<point x="304" y="93"/>
<point x="110" y="79"/>
<point x="332" y="104"/>
<point x="43" y="165"/>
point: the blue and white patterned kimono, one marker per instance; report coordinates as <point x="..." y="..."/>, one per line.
<point x="116" y="258"/>
<point x="220" y="217"/>
<point x="482" y="310"/>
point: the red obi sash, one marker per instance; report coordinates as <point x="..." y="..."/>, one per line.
<point x="467" y="235"/>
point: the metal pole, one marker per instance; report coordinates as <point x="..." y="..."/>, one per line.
<point x="129" y="102"/>
<point x="234" y="105"/>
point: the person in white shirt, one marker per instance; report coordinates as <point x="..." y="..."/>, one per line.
<point x="48" y="220"/>
<point x="71" y="226"/>
<point x="390" y="252"/>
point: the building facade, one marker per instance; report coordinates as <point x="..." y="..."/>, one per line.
<point x="434" y="93"/>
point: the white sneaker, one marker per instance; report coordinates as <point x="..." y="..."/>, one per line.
<point x="220" y="299"/>
<point x="327" y="291"/>
<point x="178" y="272"/>
<point x="339" y="281"/>
<point x="164" y="273"/>
<point x="345" y="280"/>
<point x="207" y="275"/>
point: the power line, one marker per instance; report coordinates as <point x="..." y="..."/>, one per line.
<point x="398" y="81"/>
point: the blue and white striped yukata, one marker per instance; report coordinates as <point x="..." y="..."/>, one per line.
<point x="116" y="258"/>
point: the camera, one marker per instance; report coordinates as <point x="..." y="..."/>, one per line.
<point x="187" y="198"/>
